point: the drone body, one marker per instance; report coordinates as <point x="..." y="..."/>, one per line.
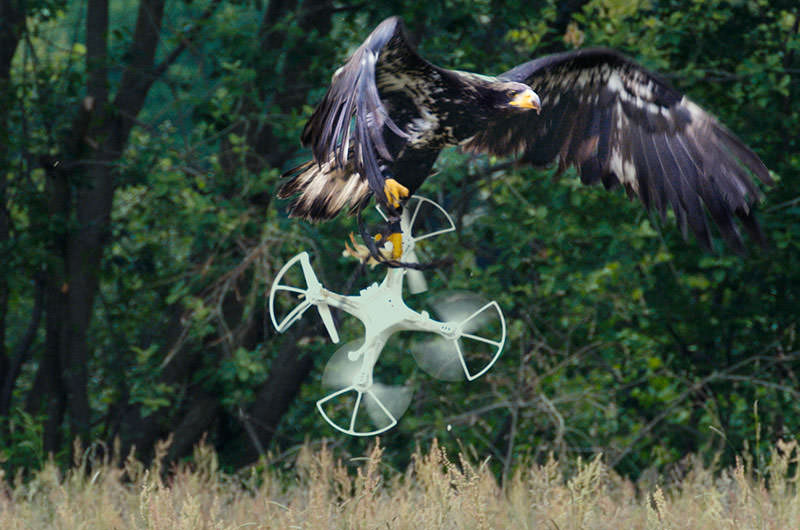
<point x="389" y="112"/>
<point x="383" y="312"/>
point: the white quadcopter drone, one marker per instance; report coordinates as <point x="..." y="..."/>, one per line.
<point x="465" y="343"/>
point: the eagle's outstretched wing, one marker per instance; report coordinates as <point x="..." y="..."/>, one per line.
<point x="620" y="124"/>
<point x="354" y="97"/>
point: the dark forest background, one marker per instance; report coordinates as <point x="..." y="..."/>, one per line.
<point x="140" y="147"/>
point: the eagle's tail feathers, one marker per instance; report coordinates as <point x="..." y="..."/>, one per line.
<point x="322" y="190"/>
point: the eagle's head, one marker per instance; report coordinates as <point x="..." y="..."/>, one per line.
<point x="516" y="97"/>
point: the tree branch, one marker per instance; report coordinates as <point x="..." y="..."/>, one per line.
<point x="138" y="74"/>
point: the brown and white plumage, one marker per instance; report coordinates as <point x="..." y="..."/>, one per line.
<point x="388" y="113"/>
<point x="619" y="124"/>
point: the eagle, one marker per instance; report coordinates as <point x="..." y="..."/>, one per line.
<point x="388" y="113"/>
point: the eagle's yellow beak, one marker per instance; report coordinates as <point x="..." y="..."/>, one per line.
<point x="527" y="99"/>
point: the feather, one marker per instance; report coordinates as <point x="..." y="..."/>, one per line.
<point x="659" y="144"/>
<point x="388" y="112"/>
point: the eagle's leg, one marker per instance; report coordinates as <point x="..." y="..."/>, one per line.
<point x="395" y="193"/>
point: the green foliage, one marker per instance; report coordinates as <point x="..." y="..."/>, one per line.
<point x="623" y="338"/>
<point x="25" y="449"/>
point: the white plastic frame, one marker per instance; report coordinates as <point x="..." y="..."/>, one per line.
<point x="383" y="312"/>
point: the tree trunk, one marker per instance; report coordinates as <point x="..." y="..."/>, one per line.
<point x="201" y="413"/>
<point x="289" y="370"/>
<point x="12" y="16"/>
<point x="81" y="191"/>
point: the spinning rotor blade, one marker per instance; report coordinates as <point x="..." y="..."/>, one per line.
<point x="359" y="408"/>
<point x="341" y="372"/>
<point x="480" y="335"/>
<point x="439" y="358"/>
<point x="461" y="306"/>
<point x="385" y="402"/>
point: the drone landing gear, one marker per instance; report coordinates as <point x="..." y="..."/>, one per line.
<point x="464" y="343"/>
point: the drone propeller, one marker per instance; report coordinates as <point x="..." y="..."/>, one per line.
<point x="388" y="401"/>
<point x="476" y="339"/>
<point x="311" y="295"/>
<point x="461" y="306"/>
<point x="341" y="370"/>
<point x="354" y="391"/>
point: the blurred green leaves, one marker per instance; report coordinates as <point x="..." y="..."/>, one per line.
<point x="623" y="338"/>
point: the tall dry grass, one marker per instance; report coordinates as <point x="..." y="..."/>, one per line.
<point x="436" y="491"/>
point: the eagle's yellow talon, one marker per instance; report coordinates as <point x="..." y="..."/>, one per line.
<point x="362" y="253"/>
<point x="394" y="192"/>
<point x="397" y="245"/>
